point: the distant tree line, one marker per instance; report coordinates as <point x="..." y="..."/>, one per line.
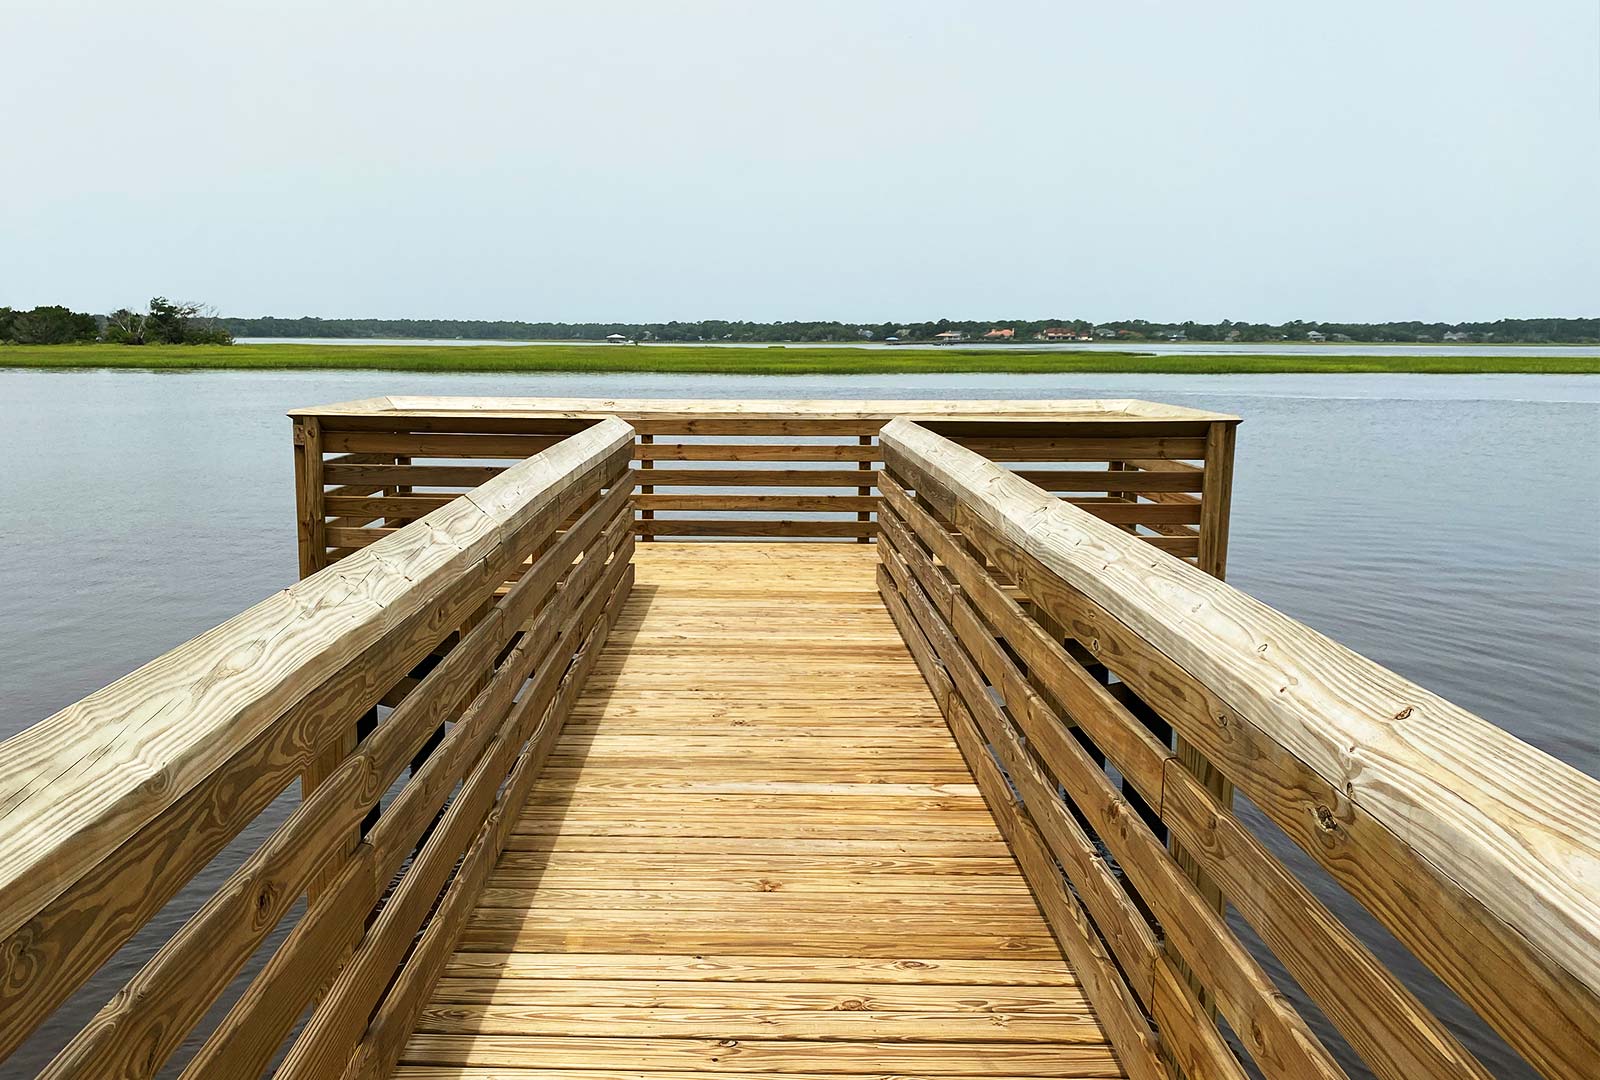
<point x="1501" y="331"/>
<point x="167" y="322"/>
<point x="50" y="325"/>
<point x="164" y="322"/>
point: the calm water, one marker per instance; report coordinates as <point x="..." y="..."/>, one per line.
<point x="1447" y="526"/>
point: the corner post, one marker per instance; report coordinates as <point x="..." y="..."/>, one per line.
<point x="310" y="521"/>
<point x="1216" y="498"/>
<point x="645" y="464"/>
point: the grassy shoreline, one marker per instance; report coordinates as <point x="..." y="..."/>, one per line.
<point x="755" y="360"/>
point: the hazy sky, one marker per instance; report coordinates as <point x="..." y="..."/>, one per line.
<point x="855" y="160"/>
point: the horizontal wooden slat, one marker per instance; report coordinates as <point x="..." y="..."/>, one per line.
<point x="676" y="451"/>
<point x="1085" y="449"/>
<point x="392" y="506"/>
<point x="343" y="537"/>
<point x="425" y="445"/>
<point x="1151" y="513"/>
<point x="1113" y="480"/>
<point x="803" y="503"/>
<point x="752" y="527"/>
<point x="707" y="476"/>
<point x="389" y="476"/>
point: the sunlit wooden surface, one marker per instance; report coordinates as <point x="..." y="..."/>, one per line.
<point x="756" y="849"/>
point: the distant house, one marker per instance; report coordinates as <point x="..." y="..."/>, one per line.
<point x="948" y="337"/>
<point x="1104" y="332"/>
<point x="1457" y="335"/>
<point x="1233" y="335"/>
<point x="618" y="339"/>
<point x="1058" y="333"/>
<point x="1316" y="335"/>
<point x="998" y="334"/>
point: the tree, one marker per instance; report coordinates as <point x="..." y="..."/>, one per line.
<point x="49" y="325"/>
<point x="126" y="327"/>
<point x="176" y="323"/>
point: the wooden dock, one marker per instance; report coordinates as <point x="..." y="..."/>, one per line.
<point x="652" y="740"/>
<point x="757" y="848"/>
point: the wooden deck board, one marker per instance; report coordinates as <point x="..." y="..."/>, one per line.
<point x="756" y="849"/>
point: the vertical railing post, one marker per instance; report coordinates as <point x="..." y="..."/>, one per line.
<point x="646" y="489"/>
<point x="864" y="492"/>
<point x="1216" y="498"/>
<point x="1216" y="492"/>
<point x="310" y="527"/>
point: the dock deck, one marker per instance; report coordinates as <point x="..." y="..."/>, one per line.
<point x="756" y="848"/>
<point x="657" y="740"/>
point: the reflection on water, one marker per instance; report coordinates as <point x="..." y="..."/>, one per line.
<point x="1446" y="526"/>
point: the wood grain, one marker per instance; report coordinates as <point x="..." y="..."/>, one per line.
<point x="837" y="956"/>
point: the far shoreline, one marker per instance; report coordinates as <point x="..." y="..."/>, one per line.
<point x="762" y="359"/>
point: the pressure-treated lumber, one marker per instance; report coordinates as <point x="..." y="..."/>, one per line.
<point x="1390" y="1028"/>
<point x="1432" y="817"/>
<point x="800" y="452"/>
<point x="880" y="948"/>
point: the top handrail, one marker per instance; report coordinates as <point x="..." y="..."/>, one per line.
<point x="79" y="783"/>
<point x="1097" y="409"/>
<point x="1514" y="828"/>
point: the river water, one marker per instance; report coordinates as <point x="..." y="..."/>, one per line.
<point x="1446" y="526"/>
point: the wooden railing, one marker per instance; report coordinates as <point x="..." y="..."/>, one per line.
<point x="725" y="469"/>
<point x="460" y="639"/>
<point x="1071" y="659"/>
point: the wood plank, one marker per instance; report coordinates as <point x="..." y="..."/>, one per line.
<point x="704" y="995"/>
<point x="390" y="476"/>
<point x="855" y="1024"/>
<point x="1107" y="480"/>
<point x="781" y="1056"/>
<point x="708" y="476"/>
<point x="806" y="503"/>
<point x="506" y="968"/>
<point x="706" y="451"/>
<point x="753" y="527"/>
<point x="427" y="445"/>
